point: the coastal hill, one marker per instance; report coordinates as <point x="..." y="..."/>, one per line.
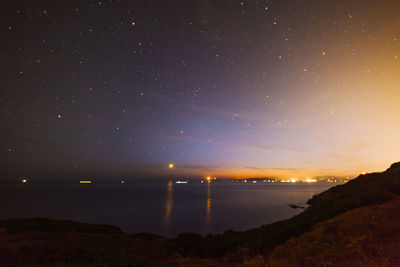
<point x="351" y="224"/>
<point x="368" y="236"/>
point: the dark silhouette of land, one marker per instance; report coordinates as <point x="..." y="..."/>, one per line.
<point x="356" y="223"/>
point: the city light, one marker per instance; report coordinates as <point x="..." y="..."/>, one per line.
<point x="311" y="180"/>
<point x="171" y="166"/>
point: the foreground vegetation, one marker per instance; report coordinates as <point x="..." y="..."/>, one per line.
<point x="67" y="243"/>
<point x="367" y="236"/>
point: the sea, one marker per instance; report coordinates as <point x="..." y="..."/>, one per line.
<point x="165" y="208"/>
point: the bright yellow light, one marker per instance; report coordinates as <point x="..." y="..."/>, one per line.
<point x="171" y="166"/>
<point x="363" y="173"/>
<point x="24" y="180"/>
<point x="85" y="182"/>
<point x="311" y="180"/>
<point x="254" y="182"/>
<point x="293" y="180"/>
<point x="208" y="178"/>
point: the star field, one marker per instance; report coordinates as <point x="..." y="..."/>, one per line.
<point x="229" y="88"/>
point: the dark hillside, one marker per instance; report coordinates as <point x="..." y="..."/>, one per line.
<point x="44" y="242"/>
<point x="368" y="236"/>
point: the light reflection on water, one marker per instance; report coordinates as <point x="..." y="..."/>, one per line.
<point x="162" y="208"/>
<point x="169" y="203"/>
<point x="208" y="221"/>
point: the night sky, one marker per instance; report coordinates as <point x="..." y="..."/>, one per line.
<point x="217" y="87"/>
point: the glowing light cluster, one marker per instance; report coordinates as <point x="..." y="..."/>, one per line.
<point x="311" y="180"/>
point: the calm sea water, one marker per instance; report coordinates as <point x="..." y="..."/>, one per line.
<point x="162" y="208"/>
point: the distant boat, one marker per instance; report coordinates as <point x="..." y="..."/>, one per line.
<point x="181" y="182"/>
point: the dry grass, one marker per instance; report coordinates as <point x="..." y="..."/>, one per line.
<point x="367" y="236"/>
